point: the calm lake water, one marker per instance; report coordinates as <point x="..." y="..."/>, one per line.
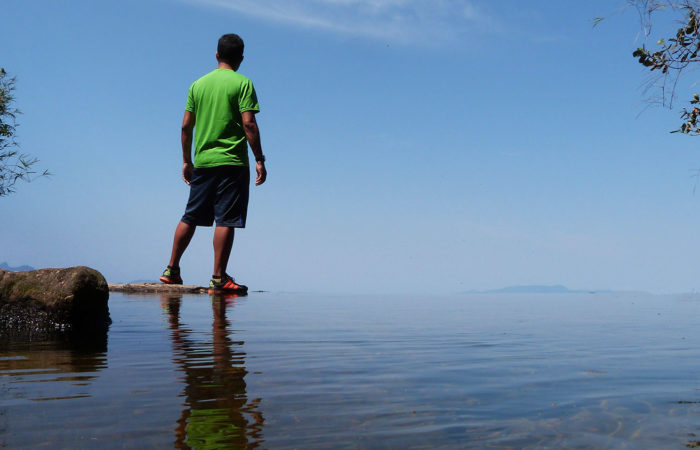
<point x="311" y="371"/>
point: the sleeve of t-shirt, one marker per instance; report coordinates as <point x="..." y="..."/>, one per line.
<point x="189" y="106"/>
<point x="248" y="99"/>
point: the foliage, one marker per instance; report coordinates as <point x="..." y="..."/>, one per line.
<point x="671" y="56"/>
<point x="14" y="166"/>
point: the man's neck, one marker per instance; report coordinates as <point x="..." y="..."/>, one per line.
<point x="223" y="65"/>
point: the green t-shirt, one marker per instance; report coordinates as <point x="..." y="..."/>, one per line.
<point x="217" y="101"/>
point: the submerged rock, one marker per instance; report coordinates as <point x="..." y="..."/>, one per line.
<point x="157" y="288"/>
<point x="161" y="288"/>
<point x="53" y="299"/>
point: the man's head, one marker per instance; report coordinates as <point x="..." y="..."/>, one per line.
<point x="230" y="50"/>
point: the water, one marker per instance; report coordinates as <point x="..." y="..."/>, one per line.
<point x="311" y="371"/>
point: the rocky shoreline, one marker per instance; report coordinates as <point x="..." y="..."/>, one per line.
<point x="38" y="303"/>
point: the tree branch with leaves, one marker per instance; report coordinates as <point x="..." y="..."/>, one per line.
<point x="14" y="166"/>
<point x="672" y="56"/>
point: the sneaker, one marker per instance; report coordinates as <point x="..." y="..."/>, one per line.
<point x="171" y="276"/>
<point x="226" y="284"/>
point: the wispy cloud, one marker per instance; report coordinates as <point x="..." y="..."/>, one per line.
<point x="400" y="21"/>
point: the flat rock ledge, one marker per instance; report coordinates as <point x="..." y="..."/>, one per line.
<point x="157" y="288"/>
<point x="35" y="302"/>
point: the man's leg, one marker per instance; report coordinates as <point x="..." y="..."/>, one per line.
<point x="183" y="236"/>
<point x="223" y="242"/>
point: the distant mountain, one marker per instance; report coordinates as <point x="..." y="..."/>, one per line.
<point x="5" y="266"/>
<point x="537" y="289"/>
<point x="533" y="289"/>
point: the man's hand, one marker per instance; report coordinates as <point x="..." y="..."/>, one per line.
<point x="262" y="173"/>
<point x="187" y="170"/>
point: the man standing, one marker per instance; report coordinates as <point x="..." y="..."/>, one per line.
<point x="222" y="105"/>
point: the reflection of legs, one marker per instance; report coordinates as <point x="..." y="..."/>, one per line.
<point x="222" y="353"/>
<point x="216" y="407"/>
<point x="180" y="343"/>
<point x="171" y="303"/>
<point x="223" y="242"/>
<point x="183" y="236"/>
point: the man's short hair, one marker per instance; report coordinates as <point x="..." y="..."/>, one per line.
<point x="230" y="49"/>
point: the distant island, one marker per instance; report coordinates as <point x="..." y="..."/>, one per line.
<point x="5" y="266"/>
<point x="538" y="289"/>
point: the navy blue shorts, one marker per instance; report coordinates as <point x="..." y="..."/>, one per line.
<point x="219" y="193"/>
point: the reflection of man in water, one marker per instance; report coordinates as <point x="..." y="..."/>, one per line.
<point x="217" y="413"/>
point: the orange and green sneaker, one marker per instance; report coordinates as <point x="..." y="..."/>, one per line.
<point x="226" y="284"/>
<point x="171" y="275"/>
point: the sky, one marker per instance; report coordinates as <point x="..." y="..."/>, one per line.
<point x="412" y="146"/>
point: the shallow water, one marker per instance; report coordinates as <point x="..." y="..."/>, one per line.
<point x="311" y="371"/>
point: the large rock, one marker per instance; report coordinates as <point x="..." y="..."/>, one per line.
<point x="53" y="299"/>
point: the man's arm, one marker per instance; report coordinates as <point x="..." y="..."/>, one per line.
<point x="186" y="139"/>
<point x="252" y="133"/>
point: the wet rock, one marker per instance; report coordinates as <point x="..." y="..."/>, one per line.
<point x="157" y="288"/>
<point x="38" y="301"/>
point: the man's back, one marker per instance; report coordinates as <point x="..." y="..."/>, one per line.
<point x="217" y="100"/>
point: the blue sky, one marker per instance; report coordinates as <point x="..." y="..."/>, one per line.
<point x="413" y="146"/>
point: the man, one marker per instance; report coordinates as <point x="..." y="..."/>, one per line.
<point x="222" y="106"/>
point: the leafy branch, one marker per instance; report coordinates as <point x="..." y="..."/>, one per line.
<point x="14" y="166"/>
<point x="672" y="56"/>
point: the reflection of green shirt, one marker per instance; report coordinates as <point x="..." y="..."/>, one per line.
<point x="217" y="101"/>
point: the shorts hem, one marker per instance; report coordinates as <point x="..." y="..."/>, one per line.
<point x="236" y="225"/>
<point x="196" y="223"/>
